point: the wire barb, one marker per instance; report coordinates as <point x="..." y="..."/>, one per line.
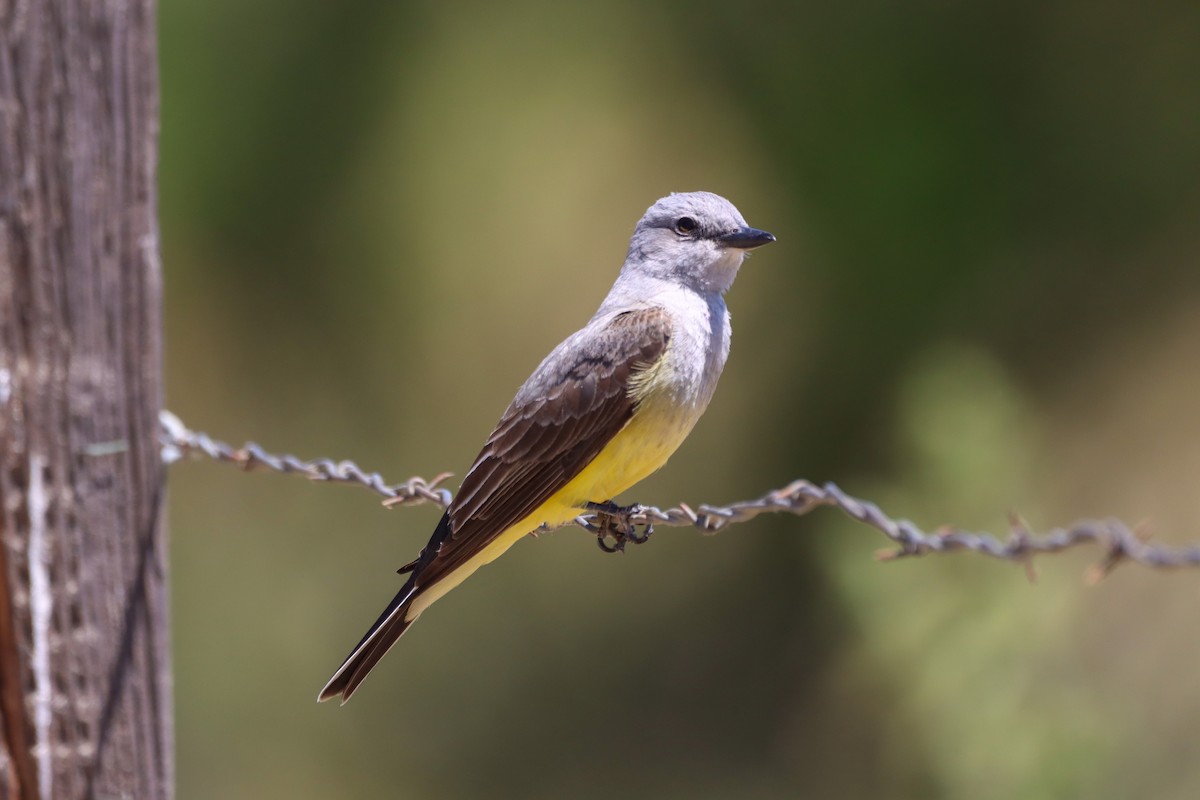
<point x="1119" y="542"/>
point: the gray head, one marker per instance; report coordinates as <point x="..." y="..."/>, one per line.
<point x="697" y="239"/>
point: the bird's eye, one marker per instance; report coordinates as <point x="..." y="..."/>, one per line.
<point x="685" y="225"/>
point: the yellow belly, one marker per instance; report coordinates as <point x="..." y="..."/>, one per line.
<point x="638" y="449"/>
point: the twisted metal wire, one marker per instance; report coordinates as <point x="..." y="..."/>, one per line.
<point x="178" y="440"/>
<point x="1118" y="540"/>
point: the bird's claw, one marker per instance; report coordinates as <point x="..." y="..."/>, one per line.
<point x="615" y="528"/>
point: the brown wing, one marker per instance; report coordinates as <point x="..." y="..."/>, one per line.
<point x="564" y="415"/>
<point x="561" y="419"/>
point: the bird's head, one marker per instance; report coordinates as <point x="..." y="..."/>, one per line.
<point x="697" y="239"/>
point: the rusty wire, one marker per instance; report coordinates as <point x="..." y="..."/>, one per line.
<point x="1119" y="541"/>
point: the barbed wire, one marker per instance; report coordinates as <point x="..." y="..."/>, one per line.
<point x="1118" y="541"/>
<point x="178" y="441"/>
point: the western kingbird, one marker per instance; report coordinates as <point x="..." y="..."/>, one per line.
<point x="605" y="409"/>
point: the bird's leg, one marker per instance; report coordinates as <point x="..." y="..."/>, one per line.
<point x="614" y="527"/>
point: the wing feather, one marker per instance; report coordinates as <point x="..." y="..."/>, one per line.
<point x="564" y="415"/>
<point x="561" y="419"/>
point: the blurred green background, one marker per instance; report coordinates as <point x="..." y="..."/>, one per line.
<point x="377" y="218"/>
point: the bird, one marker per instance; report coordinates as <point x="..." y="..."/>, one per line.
<point x="606" y="408"/>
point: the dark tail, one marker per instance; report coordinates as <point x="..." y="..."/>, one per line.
<point x="390" y="626"/>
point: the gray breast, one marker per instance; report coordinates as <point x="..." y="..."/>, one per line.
<point x="699" y="347"/>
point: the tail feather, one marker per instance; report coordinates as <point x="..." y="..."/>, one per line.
<point x="390" y="626"/>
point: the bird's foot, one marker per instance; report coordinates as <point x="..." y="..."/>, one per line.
<point x="615" y="527"/>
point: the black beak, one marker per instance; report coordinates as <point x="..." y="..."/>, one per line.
<point x="746" y="238"/>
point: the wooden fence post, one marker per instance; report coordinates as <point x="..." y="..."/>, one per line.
<point x="85" y="681"/>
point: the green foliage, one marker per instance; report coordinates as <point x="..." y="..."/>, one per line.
<point x="378" y="216"/>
